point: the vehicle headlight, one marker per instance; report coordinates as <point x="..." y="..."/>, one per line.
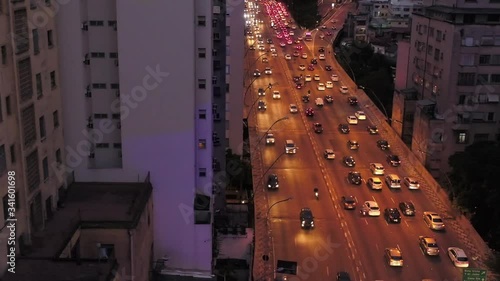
<point x="277" y="185"/>
<point x="312" y="223"/>
<point x="303" y="223"/>
<point x="268" y="185"/>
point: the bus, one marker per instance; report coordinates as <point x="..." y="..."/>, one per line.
<point x="308" y="36"/>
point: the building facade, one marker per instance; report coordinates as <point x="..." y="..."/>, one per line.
<point x="451" y="94"/>
<point x="31" y="121"/>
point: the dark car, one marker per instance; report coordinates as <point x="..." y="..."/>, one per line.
<point x="298" y="85"/>
<point x="349" y="202"/>
<point x="353" y="144"/>
<point x="273" y="181"/>
<point x="321" y="50"/>
<point x="306" y="218"/>
<point x="310" y="112"/>
<point x="343" y="276"/>
<point x="314" y="61"/>
<point x="383" y="144"/>
<point x="328" y="68"/>
<point x="318" y="128"/>
<point x="328" y="99"/>
<point x="393" y="160"/>
<point x="407" y="208"/>
<point x="305" y="99"/>
<point x="261" y="105"/>
<point x="269" y="41"/>
<point x="344" y="128"/>
<point x="372" y="129"/>
<point x="256" y="73"/>
<point x="296" y="78"/>
<point x="392" y="215"/>
<point x="310" y="67"/>
<point x="354" y="177"/>
<point x="352" y="101"/>
<point x="349" y="161"/>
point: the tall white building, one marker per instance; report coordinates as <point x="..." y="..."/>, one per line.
<point x="145" y="91"/>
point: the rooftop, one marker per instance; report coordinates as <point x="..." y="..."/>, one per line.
<point x="90" y="205"/>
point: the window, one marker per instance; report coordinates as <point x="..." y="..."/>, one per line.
<point x="36" y="41"/>
<point x="50" y="38"/>
<point x="55" y="119"/>
<point x="98" y="55"/>
<point x="466" y="79"/>
<point x="437" y="54"/>
<point x="202" y="172"/>
<point x="495" y="60"/>
<point x="32" y="171"/>
<point x="202" y="143"/>
<point x="3" y="51"/>
<point x="202" y="114"/>
<point x="468" y="41"/>
<point x="461" y="99"/>
<point x="102" y="145"/>
<point x="214" y="80"/>
<point x="41" y="125"/>
<point x="429" y="49"/>
<point x="487" y="41"/>
<point x="113" y="24"/>
<point x="13" y="154"/>
<point x="491" y="116"/>
<point x="100" y="116"/>
<point x="3" y="159"/>
<point x="484" y="59"/>
<point x="481" y="137"/>
<point x="45" y="168"/>
<point x="115" y="86"/>
<point x="38" y="85"/>
<point x="8" y="105"/>
<point x="462" y="137"/>
<point x="228" y="69"/>
<point x="202" y="21"/>
<point x="495" y="79"/>
<point x="467" y="59"/>
<point x="214" y="52"/>
<point x="227" y="87"/>
<point x="202" y="83"/>
<point x="438" y="35"/>
<point x="53" y="83"/>
<point x="98" y="86"/>
<point x="482" y="79"/>
<point x="214" y="23"/>
<point x="202" y="53"/>
<point x="58" y="156"/>
<point x="115" y="116"/>
<point x="117" y="145"/>
<point x="113" y="55"/>
<point x="96" y="23"/>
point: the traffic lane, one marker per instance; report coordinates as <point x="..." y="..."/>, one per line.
<point x="275" y="111"/>
<point x="276" y="154"/>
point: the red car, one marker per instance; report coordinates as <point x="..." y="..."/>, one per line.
<point x="309" y="112"/>
<point x="298" y="85"/>
<point x="310" y="67"/>
<point x="298" y="47"/>
<point x="329" y="33"/>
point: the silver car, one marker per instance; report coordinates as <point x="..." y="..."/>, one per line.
<point x="411" y="183"/>
<point x="433" y="221"/>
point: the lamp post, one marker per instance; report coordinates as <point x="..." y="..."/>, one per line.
<point x="276" y="160"/>
<point x="254" y="62"/>
<point x="270" y="86"/>
<point x="275" y="122"/>
<point x="378" y="100"/>
<point x="276" y="203"/>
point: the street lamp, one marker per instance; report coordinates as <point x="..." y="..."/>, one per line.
<point x="276" y="160"/>
<point x="253" y="63"/>
<point x="275" y="122"/>
<point x="270" y="86"/>
<point x="378" y="100"/>
<point x="276" y="203"/>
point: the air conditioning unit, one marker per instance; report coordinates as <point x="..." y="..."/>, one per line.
<point x="117" y="93"/>
<point x="85" y="26"/>
<point x="92" y="155"/>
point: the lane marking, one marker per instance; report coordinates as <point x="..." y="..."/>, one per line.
<point x="407" y="223"/>
<point x="393" y="200"/>
<point x="327" y="271"/>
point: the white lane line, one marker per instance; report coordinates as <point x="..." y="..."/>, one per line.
<point x="327" y="271"/>
<point x="366" y="221"/>
<point x="376" y="246"/>
<point x="407" y="223"/>
<point x="393" y="200"/>
<point x="373" y="197"/>
<point x="397" y="245"/>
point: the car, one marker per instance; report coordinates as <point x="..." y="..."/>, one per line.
<point x="310" y="112"/>
<point x="304" y="56"/>
<point x="374" y="183"/>
<point x="349" y="161"/>
<point x="321" y="50"/>
<point x="261" y="105"/>
<point x="282" y="44"/>
<point x="321" y="87"/>
<point x="261" y="92"/>
<point x="288" y="57"/>
<point x="256" y="73"/>
<point x="305" y="99"/>
<point x="316" y="77"/>
<point x="268" y="71"/>
<point x="296" y="54"/>
<point x="354" y="177"/>
<point x="293" y="27"/>
<point x="270" y="138"/>
<point x="276" y="95"/>
<point x="393" y="160"/>
<point x="252" y="47"/>
<point x="262" y="48"/>
<point x="306" y="218"/>
<point x="272" y="49"/>
<point x="318" y="128"/>
<point x="360" y="115"/>
<point x="296" y="78"/>
<point x="308" y="78"/>
<point x="294" y="108"/>
<point x="290" y="147"/>
<point x="322" y="36"/>
<point x="353" y="101"/>
<point x="392" y="215"/>
<point x="269" y="41"/>
<point x="393" y="181"/>
<point x="371" y="209"/>
<point x="352" y="120"/>
<point x="322" y="56"/>
<point x="334" y="28"/>
<point x="433" y="221"/>
<point x="265" y="60"/>
<point x="344" y="128"/>
<point x="314" y="61"/>
<point x="383" y="144"/>
<point x="458" y="257"/>
<point x="428" y="245"/>
<point x="328" y="99"/>
<point x="329" y="154"/>
<point x="353" y="144"/>
<point x="291" y="33"/>
<point x="393" y="257"/>
<point x="319" y="102"/>
<point x="300" y="38"/>
<point x="272" y="181"/>
<point x="329" y="33"/>
<point x="274" y="54"/>
<point x="343" y="276"/>
<point x="310" y="67"/>
<point x="328" y="68"/>
<point x="411" y="183"/>
<point x="377" y="169"/>
<point x="298" y="85"/>
<point x="344" y="89"/>
<point x="302" y="67"/>
<point x="407" y="208"/>
<point x="289" y="42"/>
<point x="372" y="129"/>
<point x="334" y="77"/>
<point x="329" y="84"/>
<point x="323" y="27"/>
<point x="349" y="202"/>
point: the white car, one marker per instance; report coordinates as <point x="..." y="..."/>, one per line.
<point x="352" y="120"/>
<point x="322" y="56"/>
<point x="335" y="78"/>
<point x="319" y="102"/>
<point x="276" y="95"/>
<point x="294" y="108"/>
<point x="321" y="36"/>
<point x="294" y="27"/>
<point x="288" y="57"/>
<point x="291" y="33"/>
<point x="329" y="84"/>
<point x="270" y="138"/>
<point x="316" y="77"/>
<point x="282" y="44"/>
<point x="302" y="67"/>
<point x="304" y="56"/>
<point x="308" y="78"/>
<point x="458" y="257"/>
<point x="377" y="169"/>
<point x="274" y="54"/>
<point x="433" y="221"/>
<point x="321" y="87"/>
<point x="272" y="49"/>
<point x="371" y="209"/>
<point x="344" y="89"/>
<point x="375" y="183"/>
<point x="360" y="115"/>
<point x="268" y="71"/>
<point x="411" y="183"/>
<point x="329" y="154"/>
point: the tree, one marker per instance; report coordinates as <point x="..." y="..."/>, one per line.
<point x="304" y="12"/>
<point x="239" y="172"/>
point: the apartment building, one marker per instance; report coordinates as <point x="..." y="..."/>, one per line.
<point x="452" y="79"/>
<point x="146" y="92"/>
<point x="356" y="27"/>
<point x="31" y="121"/>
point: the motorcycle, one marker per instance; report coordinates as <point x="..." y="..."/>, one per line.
<point x="316" y="193"/>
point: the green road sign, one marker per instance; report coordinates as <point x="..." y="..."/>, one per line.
<point x="473" y="274"/>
